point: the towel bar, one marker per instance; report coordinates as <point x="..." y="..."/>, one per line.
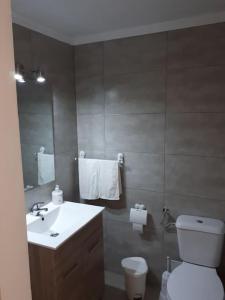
<point x="120" y="157"/>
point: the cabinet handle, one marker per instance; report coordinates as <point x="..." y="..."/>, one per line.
<point x="93" y="247"/>
<point x="73" y="268"/>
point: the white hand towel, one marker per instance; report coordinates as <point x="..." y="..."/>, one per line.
<point x="109" y="180"/>
<point x="46" y="169"/>
<point x="88" y="178"/>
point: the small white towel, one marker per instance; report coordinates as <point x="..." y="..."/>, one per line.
<point x="46" y="168"/>
<point x="88" y="178"/>
<point x="110" y="187"/>
<point x="99" y="179"/>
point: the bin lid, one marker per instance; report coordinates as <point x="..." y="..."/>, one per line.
<point x="135" y="265"/>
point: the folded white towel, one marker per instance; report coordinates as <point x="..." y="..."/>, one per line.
<point x="46" y="168"/>
<point x="109" y="180"/>
<point x="99" y="179"/>
<point x="88" y="178"/>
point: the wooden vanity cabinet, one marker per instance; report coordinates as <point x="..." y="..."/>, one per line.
<point x="74" y="271"/>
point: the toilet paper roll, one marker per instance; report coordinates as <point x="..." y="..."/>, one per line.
<point x="138" y="227"/>
<point x="138" y="216"/>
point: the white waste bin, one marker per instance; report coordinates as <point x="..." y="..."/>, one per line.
<point x="135" y="269"/>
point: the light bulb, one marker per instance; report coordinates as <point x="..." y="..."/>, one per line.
<point x="21" y="80"/>
<point x="18" y="76"/>
<point x="40" y="78"/>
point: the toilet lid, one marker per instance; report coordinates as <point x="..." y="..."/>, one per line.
<point x="194" y="282"/>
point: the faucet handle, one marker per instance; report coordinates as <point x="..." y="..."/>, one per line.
<point x="35" y="206"/>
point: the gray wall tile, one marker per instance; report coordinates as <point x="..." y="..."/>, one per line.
<point x="22" y="46"/>
<point x="91" y="132"/>
<point x="89" y="60"/>
<point x="136" y="132"/>
<point x="51" y="55"/>
<point x="64" y="95"/>
<point x="136" y="54"/>
<point x="65" y="134"/>
<point x="196" y="134"/>
<point x="67" y="176"/>
<point x="197" y="46"/>
<point x="195" y="175"/>
<point x="90" y="95"/>
<point x="196" y="89"/>
<point x="171" y="245"/>
<point x="137" y="103"/>
<point x="197" y="206"/>
<point x="135" y="93"/>
<point x="93" y="49"/>
<point x="138" y="176"/>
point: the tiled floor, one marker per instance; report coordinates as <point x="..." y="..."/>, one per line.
<point x="116" y="294"/>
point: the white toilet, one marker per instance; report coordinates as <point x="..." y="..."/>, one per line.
<point x="200" y="243"/>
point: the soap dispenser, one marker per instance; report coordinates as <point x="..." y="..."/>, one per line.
<point x="57" y="196"/>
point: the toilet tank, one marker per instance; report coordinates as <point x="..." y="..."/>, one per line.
<point x="200" y="240"/>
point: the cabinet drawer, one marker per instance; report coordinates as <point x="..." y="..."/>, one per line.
<point x="92" y="242"/>
<point x="71" y="287"/>
<point x="94" y="266"/>
<point x="73" y="249"/>
<point x="92" y="227"/>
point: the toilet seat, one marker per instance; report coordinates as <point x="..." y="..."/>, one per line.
<point x="189" y="281"/>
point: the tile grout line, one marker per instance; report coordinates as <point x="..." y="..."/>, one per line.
<point x="156" y="69"/>
<point x="158" y="113"/>
<point x="103" y="83"/>
<point x="174" y="193"/>
<point x="165" y="129"/>
<point x="162" y="154"/>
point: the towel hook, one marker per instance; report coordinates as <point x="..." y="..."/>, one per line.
<point x="82" y="154"/>
<point x="42" y="149"/>
<point x="120" y="158"/>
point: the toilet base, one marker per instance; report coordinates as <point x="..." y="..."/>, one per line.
<point x="162" y="296"/>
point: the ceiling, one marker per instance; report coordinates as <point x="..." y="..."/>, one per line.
<point x="83" y="21"/>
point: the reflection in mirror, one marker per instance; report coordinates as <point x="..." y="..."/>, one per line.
<point x="36" y="133"/>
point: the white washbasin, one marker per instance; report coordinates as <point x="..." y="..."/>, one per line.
<point x="59" y="223"/>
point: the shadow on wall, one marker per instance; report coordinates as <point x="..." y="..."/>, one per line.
<point x="109" y="204"/>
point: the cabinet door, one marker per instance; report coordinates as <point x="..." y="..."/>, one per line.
<point x="94" y="267"/>
<point x="69" y="271"/>
<point x="72" y="283"/>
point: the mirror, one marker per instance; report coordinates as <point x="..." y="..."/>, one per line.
<point x="36" y="133"/>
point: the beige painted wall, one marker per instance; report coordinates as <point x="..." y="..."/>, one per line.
<point x="14" y="268"/>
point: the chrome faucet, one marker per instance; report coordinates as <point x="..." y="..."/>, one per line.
<point x="36" y="209"/>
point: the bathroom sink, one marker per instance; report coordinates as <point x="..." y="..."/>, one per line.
<point x="60" y="222"/>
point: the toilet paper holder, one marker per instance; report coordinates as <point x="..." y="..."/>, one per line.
<point x="138" y="217"/>
<point x="139" y="206"/>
